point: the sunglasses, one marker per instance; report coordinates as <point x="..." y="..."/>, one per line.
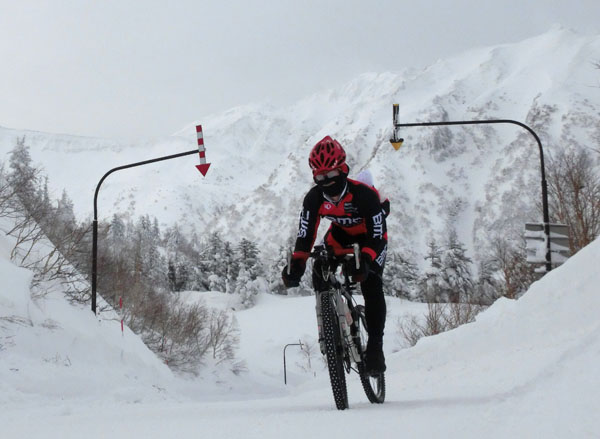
<point x="330" y="174"/>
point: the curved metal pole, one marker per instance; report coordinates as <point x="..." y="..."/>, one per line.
<point x="284" y="365"/>
<point x="545" y="210"/>
<point x="95" y="222"/>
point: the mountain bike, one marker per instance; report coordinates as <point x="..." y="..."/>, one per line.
<point x="342" y="326"/>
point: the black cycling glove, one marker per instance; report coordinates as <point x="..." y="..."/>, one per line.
<point x="297" y="268"/>
<point x="361" y="274"/>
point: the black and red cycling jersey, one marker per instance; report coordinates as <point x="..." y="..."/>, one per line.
<point x="358" y="216"/>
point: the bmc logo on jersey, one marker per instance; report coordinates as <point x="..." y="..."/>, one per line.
<point x="381" y="258"/>
<point x="378" y="226"/>
<point x="344" y="220"/>
<point x="303" y="229"/>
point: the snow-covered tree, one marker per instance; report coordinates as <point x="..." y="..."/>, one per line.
<point x="249" y="259"/>
<point x="148" y="262"/>
<point x="487" y="287"/>
<point x="400" y="276"/>
<point x="178" y="275"/>
<point x="232" y="266"/>
<point x="23" y="177"/>
<point x="431" y="282"/>
<point x="213" y="260"/>
<point x="456" y="271"/>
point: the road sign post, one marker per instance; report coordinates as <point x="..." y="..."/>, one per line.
<point x="535" y="239"/>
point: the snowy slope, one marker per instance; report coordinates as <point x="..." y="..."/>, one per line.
<point x="479" y="180"/>
<point x="51" y="350"/>
<point x="524" y="369"/>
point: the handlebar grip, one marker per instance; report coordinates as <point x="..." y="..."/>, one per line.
<point x="356" y="255"/>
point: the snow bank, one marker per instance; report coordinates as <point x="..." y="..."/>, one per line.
<point x="537" y="355"/>
<point x="524" y="368"/>
<point x="51" y="350"/>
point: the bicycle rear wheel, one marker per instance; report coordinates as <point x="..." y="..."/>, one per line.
<point x="334" y="351"/>
<point x="373" y="385"/>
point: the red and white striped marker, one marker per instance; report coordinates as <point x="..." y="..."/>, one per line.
<point x="203" y="166"/>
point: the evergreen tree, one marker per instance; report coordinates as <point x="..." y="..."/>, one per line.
<point x="173" y="240"/>
<point x="45" y="201"/>
<point x="431" y="283"/>
<point x="456" y="272"/>
<point x="247" y="288"/>
<point x="65" y="213"/>
<point x="249" y="258"/>
<point x="400" y="276"/>
<point x="487" y="288"/>
<point x="214" y="255"/>
<point x="178" y="276"/>
<point x="232" y="267"/>
<point x="148" y="261"/>
<point x="117" y="233"/>
<point x="23" y="176"/>
<point x="183" y="276"/>
<point x="172" y="276"/>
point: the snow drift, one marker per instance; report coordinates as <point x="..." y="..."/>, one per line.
<point x="50" y="349"/>
<point x="524" y="368"/>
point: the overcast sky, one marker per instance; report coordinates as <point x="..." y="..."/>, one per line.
<point x="127" y="69"/>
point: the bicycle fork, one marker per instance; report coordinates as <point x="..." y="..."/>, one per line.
<point x="345" y="322"/>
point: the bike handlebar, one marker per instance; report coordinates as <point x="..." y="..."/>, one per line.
<point x="354" y="251"/>
<point x="327" y="254"/>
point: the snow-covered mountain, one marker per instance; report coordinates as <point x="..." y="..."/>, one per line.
<point x="478" y="180"/>
<point x="524" y="368"/>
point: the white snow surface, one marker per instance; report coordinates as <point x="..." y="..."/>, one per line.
<point x="525" y="368"/>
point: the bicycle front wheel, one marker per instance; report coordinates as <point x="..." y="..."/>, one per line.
<point x="334" y="351"/>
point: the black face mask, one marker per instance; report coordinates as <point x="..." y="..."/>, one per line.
<point x="334" y="189"/>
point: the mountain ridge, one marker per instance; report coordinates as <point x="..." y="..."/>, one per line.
<point x="440" y="178"/>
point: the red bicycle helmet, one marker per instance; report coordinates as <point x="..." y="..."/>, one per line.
<point x="326" y="156"/>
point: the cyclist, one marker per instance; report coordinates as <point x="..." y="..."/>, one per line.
<point x="357" y="216"/>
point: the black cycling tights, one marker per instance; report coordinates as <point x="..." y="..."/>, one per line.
<point x="375" y="310"/>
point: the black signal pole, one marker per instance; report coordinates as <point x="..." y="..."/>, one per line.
<point x="284" y="363"/>
<point x="95" y="222"/>
<point x="545" y="211"/>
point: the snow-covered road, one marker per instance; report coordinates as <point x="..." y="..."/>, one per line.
<point x="526" y="368"/>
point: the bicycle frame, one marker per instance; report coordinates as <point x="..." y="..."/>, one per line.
<point x="341" y="297"/>
<point x="342" y="325"/>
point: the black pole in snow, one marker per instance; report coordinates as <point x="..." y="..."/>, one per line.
<point x="284" y="363"/>
<point x="95" y="222"/>
<point x="545" y="210"/>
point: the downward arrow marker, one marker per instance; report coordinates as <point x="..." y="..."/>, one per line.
<point x="203" y="166"/>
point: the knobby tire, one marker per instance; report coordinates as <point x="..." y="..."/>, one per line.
<point x="334" y="351"/>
